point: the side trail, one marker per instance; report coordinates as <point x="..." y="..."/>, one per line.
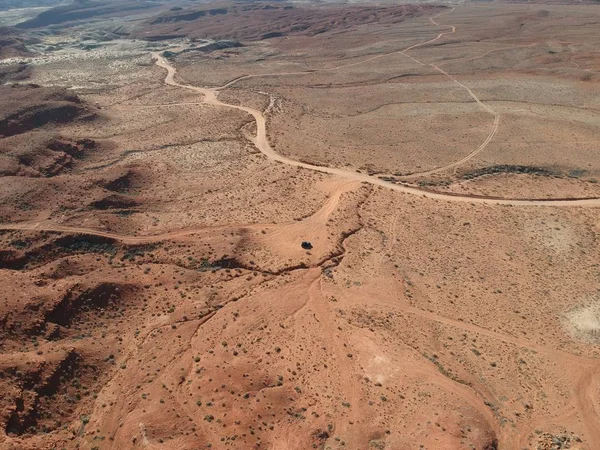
<point x="486" y="108"/>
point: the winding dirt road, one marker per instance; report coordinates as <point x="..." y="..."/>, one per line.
<point x="261" y="142"/>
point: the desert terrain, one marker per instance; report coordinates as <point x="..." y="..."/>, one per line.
<point x="284" y="225"/>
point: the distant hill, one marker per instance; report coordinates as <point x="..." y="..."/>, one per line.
<point x="13" y="4"/>
<point x="83" y="9"/>
<point x="257" y="20"/>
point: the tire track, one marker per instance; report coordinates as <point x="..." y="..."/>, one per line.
<point x="485" y="107"/>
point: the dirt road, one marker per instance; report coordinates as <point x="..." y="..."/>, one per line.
<point x="261" y="142"/>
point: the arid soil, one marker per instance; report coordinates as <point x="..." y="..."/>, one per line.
<point x="440" y="161"/>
